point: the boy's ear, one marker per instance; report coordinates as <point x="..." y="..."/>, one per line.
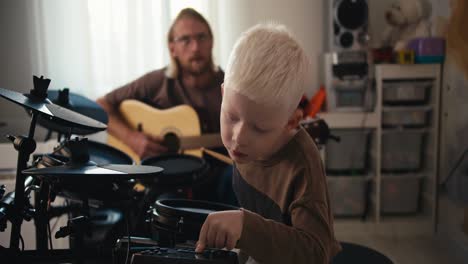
<point x="222" y="89"/>
<point x="296" y="117"/>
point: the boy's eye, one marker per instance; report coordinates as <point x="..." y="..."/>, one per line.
<point x="260" y="130"/>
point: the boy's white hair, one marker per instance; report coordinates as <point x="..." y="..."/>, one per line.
<point x="268" y="66"/>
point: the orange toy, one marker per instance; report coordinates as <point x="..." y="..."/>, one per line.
<point x="315" y="104"/>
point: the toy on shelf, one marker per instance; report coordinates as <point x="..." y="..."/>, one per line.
<point x="428" y="50"/>
<point x="406" y="19"/>
<point x="405" y="56"/>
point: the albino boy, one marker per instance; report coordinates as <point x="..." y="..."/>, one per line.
<point x="278" y="176"/>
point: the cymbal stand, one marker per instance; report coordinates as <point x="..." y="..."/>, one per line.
<point x="42" y="218"/>
<point x="79" y="226"/>
<point x="15" y="206"/>
<point x="76" y="228"/>
<point x="25" y="147"/>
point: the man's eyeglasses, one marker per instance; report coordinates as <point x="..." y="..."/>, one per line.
<point x="186" y="39"/>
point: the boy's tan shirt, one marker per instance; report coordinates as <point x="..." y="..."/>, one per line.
<point x="287" y="216"/>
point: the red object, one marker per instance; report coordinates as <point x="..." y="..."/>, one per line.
<point x="315" y="104"/>
<point x="383" y="55"/>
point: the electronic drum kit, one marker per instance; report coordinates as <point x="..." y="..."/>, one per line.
<point x="93" y="175"/>
<point x="100" y="182"/>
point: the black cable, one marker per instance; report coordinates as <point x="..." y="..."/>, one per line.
<point x="50" y="235"/>
<point x="69" y="213"/>
<point x="127" y="221"/>
<point x="22" y="242"/>
<point x="66" y="211"/>
<point x="56" y="222"/>
<point x="455" y="167"/>
<point x="48" y="220"/>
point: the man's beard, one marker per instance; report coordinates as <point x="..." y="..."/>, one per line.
<point x="194" y="70"/>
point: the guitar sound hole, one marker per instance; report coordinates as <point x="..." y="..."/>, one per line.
<point x="172" y="142"/>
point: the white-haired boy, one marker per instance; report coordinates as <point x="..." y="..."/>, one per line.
<point x="278" y="176"/>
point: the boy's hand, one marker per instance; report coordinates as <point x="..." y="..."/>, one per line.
<point x="221" y="229"/>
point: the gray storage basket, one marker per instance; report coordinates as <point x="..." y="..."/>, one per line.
<point x="347" y="195"/>
<point x="400" y="193"/>
<point x="350" y="97"/>
<point x="406" y="92"/>
<point x="402" y="149"/>
<point x="405" y="116"/>
<point x="350" y="154"/>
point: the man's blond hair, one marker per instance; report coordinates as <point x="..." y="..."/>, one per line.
<point x="268" y="66"/>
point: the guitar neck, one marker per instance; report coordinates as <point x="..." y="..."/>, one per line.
<point x="205" y="141"/>
<point x="218" y="156"/>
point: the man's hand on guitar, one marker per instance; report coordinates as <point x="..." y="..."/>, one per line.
<point x="146" y="146"/>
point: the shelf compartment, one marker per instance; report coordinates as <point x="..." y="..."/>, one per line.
<point x="348" y="194"/>
<point x="351" y="119"/>
<point x="410" y="117"/>
<point x="350" y="154"/>
<point x="400" y="193"/>
<point x="402" y="149"/>
<point x="406" y="92"/>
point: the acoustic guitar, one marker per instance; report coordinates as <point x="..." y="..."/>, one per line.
<point x="179" y="126"/>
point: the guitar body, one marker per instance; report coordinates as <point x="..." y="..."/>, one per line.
<point x="181" y="120"/>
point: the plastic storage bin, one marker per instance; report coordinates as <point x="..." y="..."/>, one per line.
<point x="348" y="195"/>
<point x="405" y="116"/>
<point x="402" y="149"/>
<point x="350" y="154"/>
<point x="406" y="92"/>
<point x="428" y="50"/>
<point x="400" y="193"/>
<point x="351" y="93"/>
<point x="350" y="98"/>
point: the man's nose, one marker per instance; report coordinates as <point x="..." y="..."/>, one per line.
<point x="194" y="44"/>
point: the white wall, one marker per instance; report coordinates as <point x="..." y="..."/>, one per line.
<point x="377" y="20"/>
<point x="303" y="17"/>
<point x="454" y="141"/>
<point x="17" y="63"/>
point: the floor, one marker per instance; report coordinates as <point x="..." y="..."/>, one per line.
<point x="409" y="240"/>
<point x="406" y="250"/>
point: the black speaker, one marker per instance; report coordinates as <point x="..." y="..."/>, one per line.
<point x="348" y="25"/>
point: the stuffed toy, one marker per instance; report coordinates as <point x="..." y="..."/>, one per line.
<point x="406" y="19"/>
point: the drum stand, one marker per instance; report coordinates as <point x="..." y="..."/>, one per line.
<point x="15" y="206"/>
<point x="18" y="208"/>
<point x="25" y="147"/>
<point x="76" y="227"/>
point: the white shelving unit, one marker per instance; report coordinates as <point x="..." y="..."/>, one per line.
<point x="429" y="168"/>
<point x="351" y="119"/>
<point x="373" y="120"/>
